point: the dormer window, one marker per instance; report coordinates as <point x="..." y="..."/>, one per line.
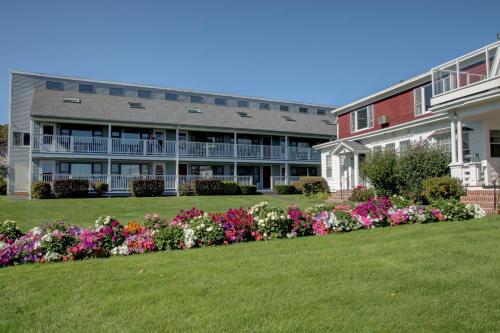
<point x="196" y="99"/>
<point x="243" y="104"/>
<point x="303" y="110"/>
<point x="264" y="106"/>
<point x="243" y="114"/>
<point x="321" y="112"/>
<point x="116" y="91"/>
<point x="86" y="88"/>
<point x="145" y="93"/>
<point x="362" y="119"/>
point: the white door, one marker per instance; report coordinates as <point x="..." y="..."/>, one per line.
<point x="21" y="177"/>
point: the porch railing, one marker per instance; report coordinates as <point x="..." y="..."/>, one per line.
<point x="282" y="180"/>
<point x="119" y="146"/>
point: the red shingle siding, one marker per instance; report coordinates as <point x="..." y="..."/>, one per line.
<point x="397" y="108"/>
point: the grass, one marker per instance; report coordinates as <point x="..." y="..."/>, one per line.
<point x="31" y="213"/>
<point x="438" y="277"/>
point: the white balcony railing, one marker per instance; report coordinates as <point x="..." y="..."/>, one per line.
<point x="282" y="180"/>
<point x="119" y="146"/>
<point x="240" y="180"/>
<point x="123" y="183"/>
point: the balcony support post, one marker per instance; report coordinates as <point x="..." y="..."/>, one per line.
<point x="235" y="145"/>
<point x="109" y="175"/>
<point x="110" y="149"/>
<point x="286" y="147"/>
<point x="235" y="172"/>
<point x="460" y="143"/>
<point x="177" y="160"/>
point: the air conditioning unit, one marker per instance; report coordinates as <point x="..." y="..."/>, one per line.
<point x="383" y="120"/>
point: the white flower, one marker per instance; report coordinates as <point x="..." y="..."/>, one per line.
<point x="120" y="250"/>
<point x="188" y="237"/>
<point x="47" y="238"/>
<point x="210" y="229"/>
<point x="36" y="231"/>
<point x="52" y="256"/>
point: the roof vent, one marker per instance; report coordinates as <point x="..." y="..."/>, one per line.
<point x="194" y="111"/>
<point x="134" y="105"/>
<point x="288" y="118"/>
<point x="243" y="114"/>
<point x="328" y="122"/>
<point x="72" y="100"/>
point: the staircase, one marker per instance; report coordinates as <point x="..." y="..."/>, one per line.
<point x="340" y="196"/>
<point x="483" y="198"/>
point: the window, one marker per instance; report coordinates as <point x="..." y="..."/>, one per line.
<point x="97" y="168"/>
<point x="116" y="91"/>
<point x="171" y="97"/>
<point x="362" y="119"/>
<point x="64" y="168"/>
<point x="86" y="88"/>
<point x="321" y="112"/>
<point x="284" y="108"/>
<point x="329" y="172"/>
<point x="303" y="110"/>
<point x="443" y="142"/>
<point x="196" y="99"/>
<point x="390" y="146"/>
<point x="377" y="149"/>
<point x="404" y="146"/>
<point x="20" y="139"/>
<point x="219" y="101"/>
<point x="115" y="168"/>
<point x="264" y="106"/>
<point x="495" y="143"/>
<point x="144" y="93"/>
<point x="422" y="99"/>
<point x="242" y="104"/>
<point x="54" y="85"/>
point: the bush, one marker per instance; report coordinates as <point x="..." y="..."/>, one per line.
<point x="169" y="237"/>
<point x="40" y="190"/>
<point x="361" y="194"/>
<point x="381" y="168"/>
<point x="206" y="232"/>
<point x="230" y="188"/>
<point x="148" y="187"/>
<point x="3" y="186"/>
<point x="444" y="187"/>
<point x="271" y="223"/>
<point x="248" y="189"/>
<point x="100" y="188"/>
<point x="285" y="189"/>
<point x="9" y="231"/>
<point x="71" y="188"/>
<point x="452" y="209"/>
<point x="207" y="187"/>
<point x="311" y="185"/>
<point x="185" y="189"/>
<point x="417" y="164"/>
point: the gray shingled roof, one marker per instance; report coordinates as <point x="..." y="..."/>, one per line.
<point x="49" y="103"/>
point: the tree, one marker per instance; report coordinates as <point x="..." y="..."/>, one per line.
<point x="381" y="169"/>
<point x="4" y="134"/>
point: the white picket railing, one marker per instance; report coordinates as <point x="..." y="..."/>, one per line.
<point x="49" y="178"/>
<point x="282" y="180"/>
<point x="123" y="183"/>
<point x="75" y="144"/>
<point x="240" y="180"/>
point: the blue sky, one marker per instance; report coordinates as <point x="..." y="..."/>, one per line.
<point x="328" y="52"/>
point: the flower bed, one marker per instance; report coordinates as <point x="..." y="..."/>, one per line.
<point x="195" y="228"/>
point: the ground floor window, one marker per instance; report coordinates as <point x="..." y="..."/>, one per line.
<point x="67" y="168"/>
<point x="495" y="143"/>
<point x="329" y="173"/>
<point x="304" y="171"/>
<point x="129" y="169"/>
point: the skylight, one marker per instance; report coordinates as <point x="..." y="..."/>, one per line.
<point x="72" y="100"/>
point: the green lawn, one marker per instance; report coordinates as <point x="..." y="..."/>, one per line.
<point x="31" y="213"/>
<point x="439" y="277"/>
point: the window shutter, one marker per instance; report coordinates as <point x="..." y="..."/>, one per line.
<point x="353" y="122"/>
<point x="370" y="116"/>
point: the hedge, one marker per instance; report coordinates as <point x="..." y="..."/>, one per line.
<point x="71" y="188"/>
<point x="147" y="187"/>
<point x="248" y="189"/>
<point x="100" y="188"/>
<point x="40" y="190"/>
<point x="285" y="189"/>
<point x="207" y="187"/>
<point x="444" y="187"/>
<point x="3" y="186"/>
<point x="311" y="185"/>
<point x="230" y="188"/>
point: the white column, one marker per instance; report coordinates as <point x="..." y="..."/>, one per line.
<point x="460" y="143"/>
<point x="453" y="143"/>
<point x="356" y="169"/>
<point x="235" y="172"/>
<point x="349" y="174"/>
<point x="286" y="174"/>
<point x="109" y="140"/>
<point x="235" y="145"/>
<point x="32" y="138"/>
<point x="177" y="160"/>
<point x="109" y="175"/>
<point x="286" y="147"/>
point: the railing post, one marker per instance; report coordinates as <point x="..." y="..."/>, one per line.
<point x="309" y="154"/>
<point x="206" y="149"/>
<point x="262" y="151"/>
<point x="144" y="147"/>
<point x="286" y="147"/>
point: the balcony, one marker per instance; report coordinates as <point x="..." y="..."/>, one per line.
<point x="163" y="148"/>
<point x="470" y="74"/>
<point x="119" y="183"/>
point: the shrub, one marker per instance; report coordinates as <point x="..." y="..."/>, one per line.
<point x="248" y="189"/>
<point x="185" y="189"/>
<point x="40" y="190"/>
<point x="452" y="209"/>
<point x="9" y="230"/>
<point x="311" y="185"/>
<point x="207" y="187"/>
<point x="169" y="237"/>
<point x="444" y="187"/>
<point x="148" y="187"/>
<point x="302" y="223"/>
<point x="285" y="189"/>
<point x="271" y="222"/>
<point x="100" y="188"/>
<point x="57" y="243"/>
<point x="399" y="201"/>
<point x="230" y="188"/>
<point x="361" y="194"/>
<point x="71" y="188"/>
<point x="3" y="186"/>
<point x="238" y="225"/>
<point x="206" y="232"/>
<point x="373" y="213"/>
<point x="380" y="168"/>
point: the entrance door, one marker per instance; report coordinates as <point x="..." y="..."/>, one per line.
<point x="47" y="170"/>
<point x="48" y="131"/>
<point x="266" y="175"/>
<point x="159" y="169"/>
